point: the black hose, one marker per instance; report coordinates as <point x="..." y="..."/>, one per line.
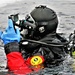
<point x="43" y="43"/>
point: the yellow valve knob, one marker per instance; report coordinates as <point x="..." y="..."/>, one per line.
<point x="36" y="60"/>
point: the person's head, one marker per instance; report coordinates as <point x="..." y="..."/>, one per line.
<point x="46" y="20"/>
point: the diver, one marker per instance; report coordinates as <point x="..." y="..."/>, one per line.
<point x="46" y="22"/>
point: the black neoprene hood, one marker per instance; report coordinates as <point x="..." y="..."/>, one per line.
<point x="44" y="16"/>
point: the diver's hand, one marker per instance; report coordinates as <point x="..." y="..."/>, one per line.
<point x="10" y="34"/>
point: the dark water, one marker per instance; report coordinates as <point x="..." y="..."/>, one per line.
<point x="65" y="10"/>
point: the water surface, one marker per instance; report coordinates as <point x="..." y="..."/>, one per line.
<point x="65" y="10"/>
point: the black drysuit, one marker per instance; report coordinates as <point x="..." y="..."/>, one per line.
<point x="52" y="54"/>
